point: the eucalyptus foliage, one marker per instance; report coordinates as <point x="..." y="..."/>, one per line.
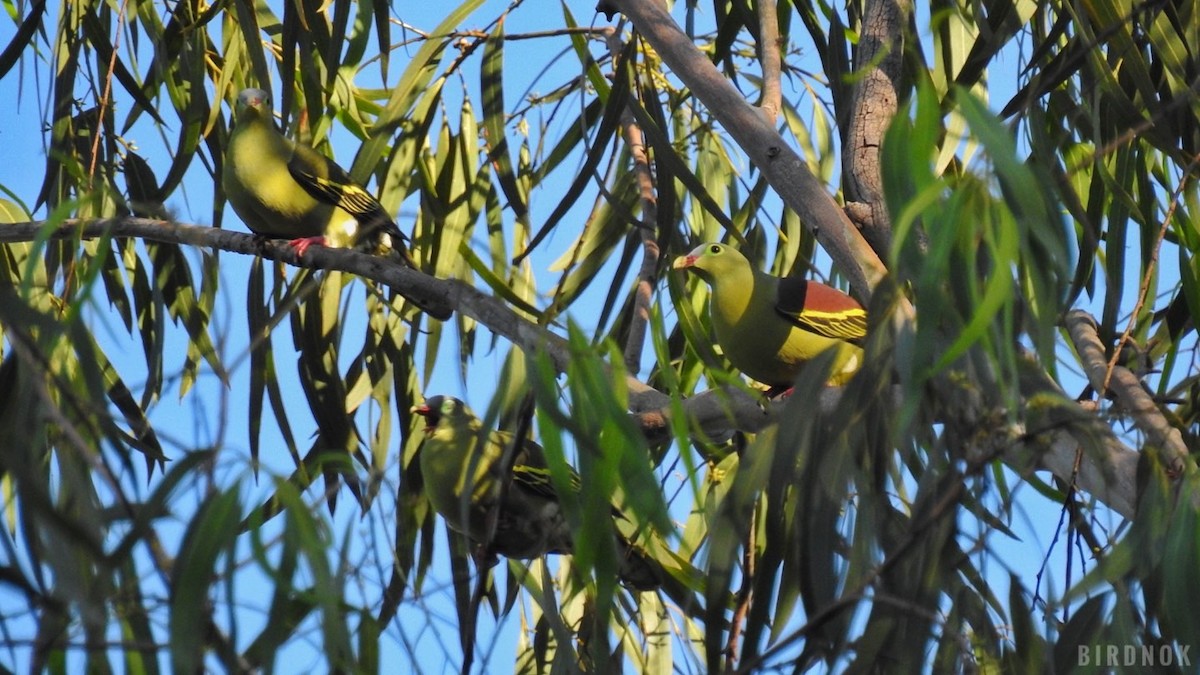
<point x="1040" y="158"/>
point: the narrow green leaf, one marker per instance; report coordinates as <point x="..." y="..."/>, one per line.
<point x="210" y="533"/>
<point x="23" y="36"/>
<point x="607" y="129"/>
<point x="494" y="116"/>
<point x="1080" y="631"/>
<point x="413" y="84"/>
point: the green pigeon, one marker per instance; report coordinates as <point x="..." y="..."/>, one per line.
<point x="284" y="190"/>
<point x="461" y="464"/>
<point x="769" y="327"/>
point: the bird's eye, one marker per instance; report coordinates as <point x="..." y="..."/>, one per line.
<point x="715" y="248"/>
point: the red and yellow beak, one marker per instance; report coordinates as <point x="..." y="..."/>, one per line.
<point x="683" y="262"/>
<point x="430" y="416"/>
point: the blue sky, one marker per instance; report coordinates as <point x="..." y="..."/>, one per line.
<point x="429" y="619"/>
<point x="212" y="417"/>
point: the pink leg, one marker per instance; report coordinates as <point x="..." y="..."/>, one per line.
<point x="781" y="393"/>
<point x="301" y="245"/>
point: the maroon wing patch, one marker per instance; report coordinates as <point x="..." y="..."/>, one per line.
<point x="820" y="309"/>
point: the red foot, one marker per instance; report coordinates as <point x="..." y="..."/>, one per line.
<point x="301" y="245"/>
<point x="780" y="393"/>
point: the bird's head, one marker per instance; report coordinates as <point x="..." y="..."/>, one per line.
<point x="253" y="102"/>
<point x="710" y="261"/>
<point x="442" y="409"/>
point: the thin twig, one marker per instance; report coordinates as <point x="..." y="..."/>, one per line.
<point x="104" y="97"/>
<point x="771" y="58"/>
<point x="943" y="507"/>
<point x="636" y="140"/>
<point x="1144" y="288"/>
<point x="744" y="594"/>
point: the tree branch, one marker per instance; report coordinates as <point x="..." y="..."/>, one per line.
<point x="715" y="412"/>
<point x="644" y="291"/>
<point x="439" y="297"/>
<point x="430" y="294"/>
<point x="1131" y="396"/>
<point x="784" y="169"/>
<point x="878" y="60"/>
<point x="1106" y="470"/>
<point x="771" y="58"/>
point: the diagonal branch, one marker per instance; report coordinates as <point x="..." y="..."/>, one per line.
<point x="783" y="168"/>
<point x="1131" y="396"/>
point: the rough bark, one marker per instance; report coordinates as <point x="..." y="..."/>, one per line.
<point x="878" y="62"/>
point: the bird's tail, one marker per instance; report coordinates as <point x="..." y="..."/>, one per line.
<point x="650" y="565"/>
<point x="638" y="570"/>
<point x="385" y="233"/>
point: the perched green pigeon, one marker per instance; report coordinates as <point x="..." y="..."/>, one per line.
<point x="462" y="481"/>
<point x="769" y="326"/>
<point x="285" y="190"/>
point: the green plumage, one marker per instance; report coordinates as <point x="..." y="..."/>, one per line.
<point x="284" y="190"/>
<point x="461" y="465"/>
<point x="770" y="327"/>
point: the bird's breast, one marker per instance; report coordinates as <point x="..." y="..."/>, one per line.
<point x="263" y="191"/>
